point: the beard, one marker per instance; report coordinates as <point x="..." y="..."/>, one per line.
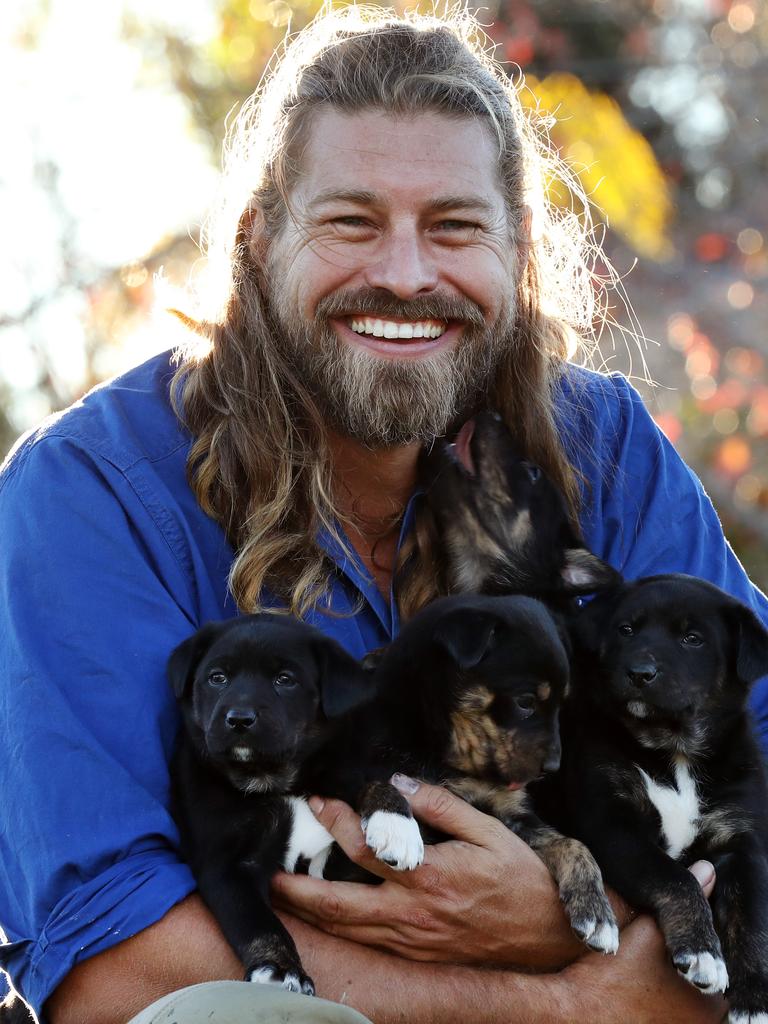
<point x="384" y="402"/>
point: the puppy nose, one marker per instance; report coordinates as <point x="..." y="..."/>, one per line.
<point x="240" y="718"/>
<point x="552" y="760"/>
<point x="642" y="674"/>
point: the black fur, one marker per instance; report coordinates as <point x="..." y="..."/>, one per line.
<point x="663" y="671"/>
<point x="258" y="694"/>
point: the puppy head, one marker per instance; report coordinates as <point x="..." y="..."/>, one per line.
<point x="503" y="523"/>
<point x="506" y="668"/>
<point x="256" y="694"/>
<point x="676" y="658"/>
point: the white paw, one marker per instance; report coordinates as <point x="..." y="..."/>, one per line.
<point x="603" y="937"/>
<point x="282" y="979"/>
<point x="747" y="1018"/>
<point x="706" y="972"/>
<point x="394" y="839"/>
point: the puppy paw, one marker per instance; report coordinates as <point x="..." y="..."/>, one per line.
<point x="600" y="935"/>
<point x="394" y="839"/>
<point x="592" y="918"/>
<point x="707" y="972"/>
<point x="271" y="974"/>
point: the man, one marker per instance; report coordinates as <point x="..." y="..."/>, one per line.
<point x="390" y="266"/>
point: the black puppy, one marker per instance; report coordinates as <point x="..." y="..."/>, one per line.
<point x="503" y="525"/>
<point x="660" y="768"/>
<point x="258" y="694"/>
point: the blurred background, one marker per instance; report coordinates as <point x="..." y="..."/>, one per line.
<point x="113" y="117"/>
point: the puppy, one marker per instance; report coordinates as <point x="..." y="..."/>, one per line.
<point x="258" y="695"/>
<point x="503" y="525"/>
<point x="467" y="696"/>
<point x="661" y="768"/>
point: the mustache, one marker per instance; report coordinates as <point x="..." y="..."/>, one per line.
<point x="382" y="303"/>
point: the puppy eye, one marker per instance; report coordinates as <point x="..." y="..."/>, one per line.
<point x="526" y="704"/>
<point x="626" y="630"/>
<point x="285" y="681"/>
<point x="693" y="640"/>
<point x="217" y="678"/>
<point x="533" y="471"/>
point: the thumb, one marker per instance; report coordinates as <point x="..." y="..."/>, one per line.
<point x="704" y="873"/>
<point x="447" y="812"/>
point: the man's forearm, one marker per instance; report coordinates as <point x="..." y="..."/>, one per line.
<point x="184" y="947"/>
<point x="390" y="990"/>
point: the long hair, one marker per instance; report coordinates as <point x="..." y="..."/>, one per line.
<point x="260" y="462"/>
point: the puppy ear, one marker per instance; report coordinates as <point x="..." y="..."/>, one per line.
<point x="186" y="657"/>
<point x="343" y="682"/>
<point x="585" y="573"/>
<point x="588" y="624"/>
<point x="752" y="649"/>
<point x="466" y="635"/>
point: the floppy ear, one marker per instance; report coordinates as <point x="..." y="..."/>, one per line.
<point x="587" y="625"/>
<point x="752" y="649"/>
<point x="186" y="657"/>
<point x="585" y="573"/>
<point x="466" y="635"/>
<point x="343" y="682"/>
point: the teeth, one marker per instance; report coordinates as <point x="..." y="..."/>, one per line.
<point x="390" y="329"/>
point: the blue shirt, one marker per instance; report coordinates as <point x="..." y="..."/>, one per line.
<point x="107" y="563"/>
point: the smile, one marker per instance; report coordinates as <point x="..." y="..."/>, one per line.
<point x="392" y="329"/>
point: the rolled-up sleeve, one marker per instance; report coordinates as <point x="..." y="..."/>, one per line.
<point x="92" y="600"/>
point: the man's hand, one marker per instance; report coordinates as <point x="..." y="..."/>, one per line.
<point x="483" y="897"/>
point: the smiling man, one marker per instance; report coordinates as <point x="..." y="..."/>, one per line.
<point x="390" y="266"/>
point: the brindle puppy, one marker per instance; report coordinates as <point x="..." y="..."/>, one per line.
<point x="503" y="525"/>
<point x="467" y="696"/>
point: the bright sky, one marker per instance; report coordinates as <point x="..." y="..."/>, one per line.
<point x="78" y="98"/>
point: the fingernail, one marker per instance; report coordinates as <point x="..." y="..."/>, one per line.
<point x="404" y="783"/>
<point x="316" y="804"/>
<point x="703" y="872"/>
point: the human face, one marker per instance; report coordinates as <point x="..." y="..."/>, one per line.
<point x="393" y="279"/>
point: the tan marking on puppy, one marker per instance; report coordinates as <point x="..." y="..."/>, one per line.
<point x="521" y="529"/>
<point x="479" y="746"/>
<point x="543" y="691"/>
<point x="505" y="804"/>
<point x="723" y="824"/>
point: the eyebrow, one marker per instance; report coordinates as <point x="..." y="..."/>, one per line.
<point x="441" y="204"/>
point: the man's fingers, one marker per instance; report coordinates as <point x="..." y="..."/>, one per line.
<point x="341" y="821"/>
<point x="326" y="903"/>
<point x="704" y="873"/>
<point x="449" y="813"/>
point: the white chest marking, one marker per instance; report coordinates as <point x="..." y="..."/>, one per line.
<point x="678" y="807"/>
<point x="308" y="839"/>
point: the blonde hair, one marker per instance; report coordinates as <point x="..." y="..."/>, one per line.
<point x="260" y="462"/>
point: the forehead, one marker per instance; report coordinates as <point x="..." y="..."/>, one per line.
<point x="402" y="160"/>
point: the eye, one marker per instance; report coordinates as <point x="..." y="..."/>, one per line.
<point x="217" y="678"/>
<point x="626" y="630"/>
<point x="533" y="471"/>
<point x="285" y="681"/>
<point x="525" y="704"/>
<point x="693" y="639"/>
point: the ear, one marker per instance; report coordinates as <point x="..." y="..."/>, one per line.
<point x="466" y="635"/>
<point x="752" y="649"/>
<point x="585" y="573"/>
<point x="186" y="657"/>
<point x="588" y="624"/>
<point x="343" y="682"/>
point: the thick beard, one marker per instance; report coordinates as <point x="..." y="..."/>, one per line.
<point x="384" y="402"/>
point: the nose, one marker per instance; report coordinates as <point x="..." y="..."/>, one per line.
<point x="405" y="266"/>
<point x="240" y="719"/>
<point x="642" y="673"/>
